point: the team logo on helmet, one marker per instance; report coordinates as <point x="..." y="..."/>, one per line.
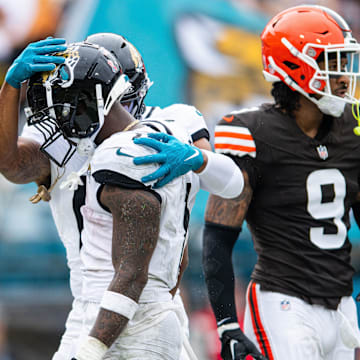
<point x="135" y="56"/>
<point x="64" y="73"/>
<point x="110" y="60"/>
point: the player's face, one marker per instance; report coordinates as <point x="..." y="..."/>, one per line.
<point x="339" y="83"/>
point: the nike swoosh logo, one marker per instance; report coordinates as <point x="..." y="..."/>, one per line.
<point x="222" y="321"/>
<point x="228" y="118"/>
<point x="119" y="152"/>
<point x="196" y="153"/>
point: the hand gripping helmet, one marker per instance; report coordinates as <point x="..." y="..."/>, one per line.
<point x="295" y="39"/>
<point x="71" y="101"/>
<point x="133" y="66"/>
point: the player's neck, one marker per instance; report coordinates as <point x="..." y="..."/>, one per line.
<point x="116" y="121"/>
<point x="308" y="117"/>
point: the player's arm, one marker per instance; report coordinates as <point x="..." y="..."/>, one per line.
<point x="218" y="173"/>
<point x="223" y="222"/>
<point x="136" y="218"/>
<point x="20" y="158"/>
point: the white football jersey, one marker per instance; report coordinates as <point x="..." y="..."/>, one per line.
<point x="184" y="116"/>
<point x="111" y="163"/>
<point x="65" y="204"/>
<point x="190" y="119"/>
<point x="65" y="208"/>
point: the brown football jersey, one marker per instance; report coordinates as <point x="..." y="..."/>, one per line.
<point x="303" y="189"/>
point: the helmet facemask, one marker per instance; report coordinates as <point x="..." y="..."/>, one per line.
<point x="133" y="100"/>
<point x="71" y="114"/>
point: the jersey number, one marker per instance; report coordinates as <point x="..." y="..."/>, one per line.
<point x="326" y="210"/>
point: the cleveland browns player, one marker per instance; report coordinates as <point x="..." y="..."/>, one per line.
<point x="300" y="158"/>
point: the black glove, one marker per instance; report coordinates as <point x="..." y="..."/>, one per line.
<point x="236" y="346"/>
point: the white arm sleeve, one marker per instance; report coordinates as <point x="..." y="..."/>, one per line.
<point x="221" y="176"/>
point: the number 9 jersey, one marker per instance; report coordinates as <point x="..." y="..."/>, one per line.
<point x="303" y="189"/>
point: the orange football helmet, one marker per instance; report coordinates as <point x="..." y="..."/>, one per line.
<point x="294" y="39"/>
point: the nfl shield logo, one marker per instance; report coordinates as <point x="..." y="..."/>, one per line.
<point x="322" y="151"/>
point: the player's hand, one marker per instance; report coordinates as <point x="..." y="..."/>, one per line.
<point x="236" y="346"/>
<point x="175" y="157"/>
<point x="35" y="58"/>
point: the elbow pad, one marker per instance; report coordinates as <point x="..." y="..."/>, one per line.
<point x="221" y="176"/>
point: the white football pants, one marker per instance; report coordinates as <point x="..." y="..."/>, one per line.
<point x="154" y="333"/>
<point x="70" y="338"/>
<point x="74" y="323"/>
<point x="287" y="328"/>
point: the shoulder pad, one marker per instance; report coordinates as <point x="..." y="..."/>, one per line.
<point x="185" y="116"/>
<point x="116" y="154"/>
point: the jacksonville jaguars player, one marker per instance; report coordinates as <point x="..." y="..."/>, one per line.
<point x="134" y="235"/>
<point x="301" y="161"/>
<point x="185" y="116"/>
<point x="23" y="162"/>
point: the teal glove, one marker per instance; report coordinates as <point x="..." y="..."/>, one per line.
<point x="34" y="58"/>
<point x="175" y="157"/>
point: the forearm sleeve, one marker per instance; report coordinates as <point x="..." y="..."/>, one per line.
<point x="218" y="243"/>
<point x="221" y="176"/>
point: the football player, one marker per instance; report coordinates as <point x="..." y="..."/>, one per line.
<point x="301" y="161"/>
<point x="184" y="116"/>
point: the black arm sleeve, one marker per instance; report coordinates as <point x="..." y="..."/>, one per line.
<point x="218" y="243"/>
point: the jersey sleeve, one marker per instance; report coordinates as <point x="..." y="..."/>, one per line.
<point x="234" y="137"/>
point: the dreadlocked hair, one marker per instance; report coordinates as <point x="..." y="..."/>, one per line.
<point x="285" y="98"/>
